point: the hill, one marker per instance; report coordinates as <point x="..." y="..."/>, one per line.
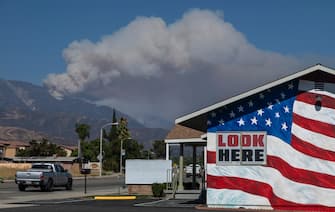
<point x="28" y="111"/>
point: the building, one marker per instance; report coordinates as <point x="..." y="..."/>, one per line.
<point x="185" y="136"/>
<point x="8" y="149"/>
<point x="272" y="147"/>
<point x="68" y="149"/>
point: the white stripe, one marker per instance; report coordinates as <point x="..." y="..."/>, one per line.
<point x="211" y="141"/>
<point x="320" y="140"/>
<point x="324" y="93"/>
<point x="282" y="187"/>
<point x="279" y="148"/>
<point x="235" y="199"/>
<point x="308" y="111"/>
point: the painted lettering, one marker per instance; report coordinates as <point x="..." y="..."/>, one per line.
<point x="258" y="140"/>
<point x="220" y="141"/>
<point x="246" y="140"/>
<point x="235" y="155"/>
<point x="241" y="148"/>
<point x="233" y="140"/>
<point x="259" y="154"/>
<point x="247" y="155"/>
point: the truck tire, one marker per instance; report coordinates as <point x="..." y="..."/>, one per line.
<point x="22" y="187"/>
<point x="69" y="184"/>
<point x="48" y="186"/>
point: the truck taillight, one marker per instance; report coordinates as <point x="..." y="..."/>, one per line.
<point x="41" y="177"/>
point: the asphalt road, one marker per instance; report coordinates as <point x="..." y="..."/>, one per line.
<point x="76" y="200"/>
<point x="101" y="206"/>
<point x="11" y="199"/>
<point x="78" y="183"/>
<point x="9" y="192"/>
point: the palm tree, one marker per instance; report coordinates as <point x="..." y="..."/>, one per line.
<point x="83" y="131"/>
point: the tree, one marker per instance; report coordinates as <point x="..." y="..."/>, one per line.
<point x="112" y="148"/>
<point x="159" y="148"/>
<point x="91" y="150"/>
<point x="113" y="133"/>
<point x="133" y="149"/>
<point x="83" y="132"/>
<point x="41" y="148"/>
<point x="111" y="156"/>
<point x="123" y="132"/>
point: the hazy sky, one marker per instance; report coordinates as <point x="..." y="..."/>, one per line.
<point x="161" y="58"/>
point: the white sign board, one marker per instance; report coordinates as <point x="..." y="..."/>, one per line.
<point x="241" y="148"/>
<point x="148" y="171"/>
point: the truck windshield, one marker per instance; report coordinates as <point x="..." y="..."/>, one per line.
<point x="41" y="166"/>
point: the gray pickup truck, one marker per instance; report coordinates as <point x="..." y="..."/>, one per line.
<point x="44" y="175"/>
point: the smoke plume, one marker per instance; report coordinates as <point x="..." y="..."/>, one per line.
<point x="152" y="68"/>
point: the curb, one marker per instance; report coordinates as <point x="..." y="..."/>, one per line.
<point x="114" y="197"/>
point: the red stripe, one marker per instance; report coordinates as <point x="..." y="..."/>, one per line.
<point x="211" y="157"/>
<point x="260" y="189"/>
<point x="313" y="125"/>
<point x="311" y="150"/>
<point x="301" y="175"/>
<point x="310" y="98"/>
<point x="290" y="172"/>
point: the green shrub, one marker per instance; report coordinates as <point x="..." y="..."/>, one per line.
<point x="158" y="189"/>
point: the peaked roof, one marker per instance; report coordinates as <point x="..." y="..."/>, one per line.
<point x="182" y="132"/>
<point x="197" y="120"/>
<point x="14" y="143"/>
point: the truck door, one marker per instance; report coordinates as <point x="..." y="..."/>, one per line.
<point x="60" y="175"/>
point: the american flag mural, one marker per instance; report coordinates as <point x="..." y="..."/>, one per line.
<point x="299" y="120"/>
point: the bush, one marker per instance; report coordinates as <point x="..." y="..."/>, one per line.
<point x="158" y="189"/>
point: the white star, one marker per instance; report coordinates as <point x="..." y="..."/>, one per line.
<point x="286" y="109"/>
<point x="260" y="112"/>
<point x="261" y="96"/>
<point x="284" y="126"/>
<point x="221" y="122"/>
<point x="277" y="101"/>
<point x="268" y="122"/>
<point x="240" y="122"/>
<point x="270" y="105"/>
<point x="282" y="95"/>
<point x="254" y="121"/>
<point x="209" y="122"/>
<point x="290" y="86"/>
<point x="240" y="108"/>
<point x="277" y="115"/>
<point x="232" y="114"/>
<point x="213" y="114"/>
<point x="250" y="103"/>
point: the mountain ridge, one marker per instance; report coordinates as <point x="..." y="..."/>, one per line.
<point x="31" y="108"/>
